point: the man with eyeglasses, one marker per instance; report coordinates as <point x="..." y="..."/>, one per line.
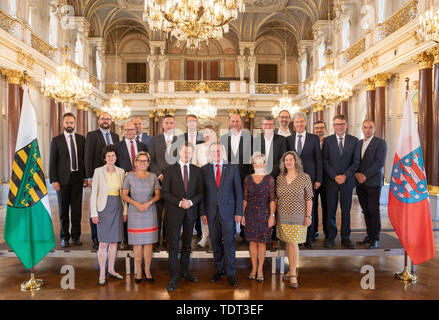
<point x="341" y="162"/>
<point x="127" y="150"/>
<point x="95" y="143"/>
<point x="284" y="119"/>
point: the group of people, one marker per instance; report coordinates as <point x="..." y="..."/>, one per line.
<point x="151" y="190"/>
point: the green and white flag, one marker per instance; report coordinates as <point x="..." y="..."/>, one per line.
<point x="28" y="226"/>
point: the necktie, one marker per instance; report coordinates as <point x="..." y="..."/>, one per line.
<point x="138" y="139"/>
<point x="133" y="155"/>
<point x="340" y="146"/>
<point x="299" y="145"/>
<point x="218" y="175"/>
<point x="73" y="152"/>
<point x="185" y="178"/>
<point x="107" y="138"/>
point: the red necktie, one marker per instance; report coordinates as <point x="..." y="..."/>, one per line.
<point x="133" y="155"/>
<point x="137" y="139"/>
<point x="218" y="175"/>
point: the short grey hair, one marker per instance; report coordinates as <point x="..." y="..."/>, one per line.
<point x="297" y="160"/>
<point x="257" y="156"/>
<point x="299" y="114"/>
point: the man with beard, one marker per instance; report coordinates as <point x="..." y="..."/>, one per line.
<point x="67" y="176"/>
<point x="284" y="119"/>
<point x="95" y="143"/>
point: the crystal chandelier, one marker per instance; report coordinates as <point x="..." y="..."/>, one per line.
<point x="202" y="108"/>
<point x="65" y="85"/>
<point x="192" y="21"/>
<point x="428" y="27"/>
<point x="117" y="109"/>
<point x="285" y="103"/>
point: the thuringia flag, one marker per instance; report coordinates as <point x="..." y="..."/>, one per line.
<point x="28" y="225"/>
<point x="409" y="205"/>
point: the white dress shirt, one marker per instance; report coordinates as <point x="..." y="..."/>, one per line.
<point x="220" y="167"/>
<point x="267" y="146"/>
<point x="67" y="135"/>
<point x="303" y="134"/>
<point x="182" y="164"/>
<point x="128" y="142"/>
<point x="343" y="139"/>
<point x="365" y="145"/>
<point x="104" y="133"/>
<point x="192" y="138"/>
<point x="234" y="141"/>
<point x="285" y="133"/>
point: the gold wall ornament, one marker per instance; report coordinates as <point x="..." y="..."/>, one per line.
<point x="161" y="112"/>
<point x="424" y="60"/>
<point x="276" y="88"/>
<point x="24" y="59"/>
<point x="370" y="62"/>
<point x="94" y="81"/>
<point x="13" y="76"/>
<point x="6" y="22"/>
<point x="82" y="105"/>
<point x="127" y="87"/>
<point x="195" y="85"/>
<point x="356" y="49"/>
<point x="42" y="46"/>
<point x="242" y="112"/>
<point x="381" y="79"/>
<point x="251" y="114"/>
<point x="399" y="19"/>
<point x="152" y="114"/>
<point x="370" y="84"/>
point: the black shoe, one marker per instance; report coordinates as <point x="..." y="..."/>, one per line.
<point x="138" y="280"/>
<point x="374" y="244"/>
<point x="77" y="242"/>
<point x="172" y="285"/>
<point x="189" y="277"/>
<point x="95" y="244"/>
<point x="347" y="243"/>
<point x="232" y="281"/>
<point x="123" y="245"/>
<point x="329" y="243"/>
<point x="316" y="235"/>
<point x="216" y="276"/>
<point x="366" y="241"/>
<point x="308" y="244"/>
<point x="64" y="243"/>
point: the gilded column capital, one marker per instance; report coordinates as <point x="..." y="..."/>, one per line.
<point x="251" y="114"/>
<point x="381" y="79"/>
<point x="152" y="114"/>
<point x="370" y="84"/>
<point x="82" y="105"/>
<point x="318" y="107"/>
<point x="435" y="53"/>
<point x="424" y="60"/>
<point x="13" y="76"/>
<point x="170" y="111"/>
<point x="97" y="111"/>
<point x="242" y="112"/>
<point x="231" y="112"/>
<point x="161" y="112"/>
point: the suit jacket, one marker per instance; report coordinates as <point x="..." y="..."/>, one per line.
<point x="146" y="139"/>
<point x="200" y="138"/>
<point x="94" y="150"/>
<point x="277" y="149"/>
<point x="227" y="198"/>
<point x="373" y="161"/>
<point x="334" y="164"/>
<point x="123" y="160"/>
<point x="99" y="190"/>
<point x="59" y="160"/>
<point x="245" y="151"/>
<point x="157" y="150"/>
<point x="173" y="191"/>
<point x="311" y="155"/>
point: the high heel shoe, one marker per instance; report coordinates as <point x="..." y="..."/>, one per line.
<point x="286" y="277"/>
<point x="294" y="285"/>
<point x="260" y="279"/>
<point x="138" y="280"/>
<point x="252" y="277"/>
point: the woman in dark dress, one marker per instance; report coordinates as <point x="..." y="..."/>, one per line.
<point x="259" y="213"/>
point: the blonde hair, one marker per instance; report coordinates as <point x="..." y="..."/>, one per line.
<point x="142" y="153"/>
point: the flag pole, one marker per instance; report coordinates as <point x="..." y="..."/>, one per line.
<point x="405" y="275"/>
<point x="32" y="284"/>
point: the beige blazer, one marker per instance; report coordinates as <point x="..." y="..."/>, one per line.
<point x="99" y="190"/>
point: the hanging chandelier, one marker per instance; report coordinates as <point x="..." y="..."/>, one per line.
<point x="428" y="27"/>
<point x="202" y="108"/>
<point x="285" y="103"/>
<point x="116" y="108"/>
<point x="65" y="85"/>
<point x="192" y="21"/>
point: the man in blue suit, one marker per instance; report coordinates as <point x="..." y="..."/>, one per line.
<point x="307" y="145"/>
<point x="370" y="179"/>
<point x="340" y="161"/>
<point x="222" y="208"/>
<point x="140" y="136"/>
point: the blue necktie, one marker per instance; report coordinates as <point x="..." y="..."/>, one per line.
<point x="340" y="146"/>
<point x="73" y="151"/>
<point x="299" y="145"/>
<point x="107" y="138"/>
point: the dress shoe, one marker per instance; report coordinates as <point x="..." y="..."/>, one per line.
<point x="365" y="241"/>
<point x="172" y="285"/>
<point x="309" y="244"/>
<point x="329" y="243"/>
<point x="275" y="244"/>
<point x="374" y="244"/>
<point x="316" y="235"/>
<point x="165" y="244"/>
<point x="294" y="285"/>
<point x="138" y="280"/>
<point x="189" y="277"/>
<point x="77" y="242"/>
<point x="347" y="243"/>
<point x="232" y="281"/>
<point x="64" y="243"/>
<point x="116" y="276"/>
<point x="95" y="244"/>
<point x="102" y="281"/>
<point x="155" y="247"/>
<point x="123" y="245"/>
<point x="216" y="276"/>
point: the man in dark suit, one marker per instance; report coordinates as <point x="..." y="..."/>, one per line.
<point x="182" y="190"/>
<point x="320" y="131"/>
<point x="95" y="143"/>
<point x="67" y="176"/>
<point x="273" y="146"/>
<point x="140" y="136"/>
<point x="222" y="209"/>
<point x="127" y="149"/>
<point x="284" y="120"/>
<point x="307" y="146"/>
<point x="370" y="179"/>
<point x="340" y="161"/>
<point x="163" y="151"/>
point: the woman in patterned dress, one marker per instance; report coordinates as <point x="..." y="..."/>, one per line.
<point x="259" y="209"/>
<point x="141" y="190"/>
<point x="294" y="205"/>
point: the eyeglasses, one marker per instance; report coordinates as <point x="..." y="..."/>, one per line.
<point x="339" y="124"/>
<point x="143" y="161"/>
<point x="129" y="129"/>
